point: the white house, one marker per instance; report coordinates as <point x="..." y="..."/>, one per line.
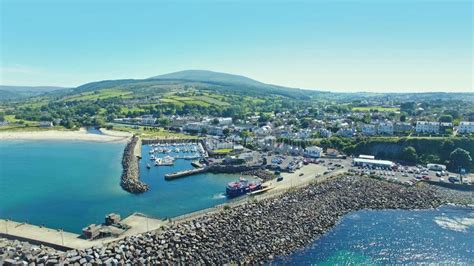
<point x="324" y="133"/>
<point x="313" y="151"/>
<point x="194" y="126"/>
<point x="346" y="132"/>
<point x="225" y="121"/>
<point x="263" y="131"/>
<point x="215" y="130"/>
<point x="427" y="127"/>
<point x="466" y="127"/>
<point x="368" y="129"/>
<point x="385" y="128"/>
<point x="45" y="124"/>
<point x="148" y="120"/>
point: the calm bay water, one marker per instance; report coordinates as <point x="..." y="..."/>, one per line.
<point x="441" y="236"/>
<point x="71" y="184"/>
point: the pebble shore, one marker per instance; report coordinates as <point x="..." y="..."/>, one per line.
<point x="253" y="232"/>
<point x="130" y="180"/>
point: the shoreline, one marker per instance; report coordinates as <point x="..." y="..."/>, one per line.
<point x="77" y="135"/>
<point x="261" y="229"/>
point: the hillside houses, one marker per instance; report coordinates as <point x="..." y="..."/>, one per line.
<point x="466" y="127"/>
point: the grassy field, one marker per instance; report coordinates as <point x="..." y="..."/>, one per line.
<point x="101" y="94"/>
<point x="379" y="108"/>
<point x="155" y="133"/>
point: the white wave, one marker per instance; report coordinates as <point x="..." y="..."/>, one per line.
<point x="218" y="196"/>
<point x="456" y="224"/>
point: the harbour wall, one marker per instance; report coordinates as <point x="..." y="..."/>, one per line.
<point x="462" y="187"/>
<point x="130" y="180"/>
<point x="228" y="169"/>
<point x="257" y="230"/>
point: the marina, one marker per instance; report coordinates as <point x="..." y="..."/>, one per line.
<point x="56" y="179"/>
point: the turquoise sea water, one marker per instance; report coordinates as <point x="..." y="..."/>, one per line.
<point x="71" y="184"/>
<point x="442" y="236"/>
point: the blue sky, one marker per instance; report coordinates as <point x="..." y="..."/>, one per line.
<point x="332" y="45"/>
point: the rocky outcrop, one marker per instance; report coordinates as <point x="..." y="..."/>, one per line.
<point x="255" y="231"/>
<point x="130" y="180"/>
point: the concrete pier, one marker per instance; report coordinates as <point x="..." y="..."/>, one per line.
<point x="62" y="240"/>
<point x="185" y="173"/>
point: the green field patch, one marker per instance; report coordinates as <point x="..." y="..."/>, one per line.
<point x="222" y="151"/>
<point x="98" y="95"/>
<point x="378" y="108"/>
<point x="210" y="100"/>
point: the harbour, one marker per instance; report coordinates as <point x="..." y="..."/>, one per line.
<point x="69" y="196"/>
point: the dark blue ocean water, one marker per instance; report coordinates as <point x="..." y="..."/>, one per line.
<point x="71" y="184"/>
<point x="441" y="236"/>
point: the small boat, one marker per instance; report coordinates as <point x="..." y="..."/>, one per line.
<point x="152" y="158"/>
<point x="158" y="161"/>
<point x="148" y="166"/>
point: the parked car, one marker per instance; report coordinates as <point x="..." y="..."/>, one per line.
<point x="280" y="178"/>
<point x="453" y="179"/>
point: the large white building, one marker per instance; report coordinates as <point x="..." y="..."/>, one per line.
<point x="372" y="163"/>
<point x="313" y="151"/>
<point x="194" y="126"/>
<point x="466" y="127"/>
<point x="427" y="127"/>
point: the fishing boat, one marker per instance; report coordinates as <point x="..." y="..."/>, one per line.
<point x="242" y="187"/>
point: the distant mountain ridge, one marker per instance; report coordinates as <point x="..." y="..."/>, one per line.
<point x="209" y="80"/>
<point x="210" y="76"/>
<point x="37" y="89"/>
<point x="8" y="93"/>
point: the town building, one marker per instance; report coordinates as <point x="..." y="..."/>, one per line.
<point x="194" y="127"/>
<point x="385" y="128"/>
<point x="313" y="152"/>
<point x="45" y="124"/>
<point x="368" y="129"/>
<point x="346" y="132"/>
<point x="402" y="127"/>
<point x="372" y="163"/>
<point x="466" y="127"/>
<point x="225" y="121"/>
<point x="427" y="127"/>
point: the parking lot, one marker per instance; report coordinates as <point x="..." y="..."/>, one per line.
<point x="411" y="174"/>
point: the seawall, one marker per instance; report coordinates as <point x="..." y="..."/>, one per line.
<point x="130" y="180"/>
<point x="257" y="230"/>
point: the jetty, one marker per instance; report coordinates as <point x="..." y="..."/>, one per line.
<point x="61" y="240"/>
<point x="130" y="180"/>
<point x="185" y="173"/>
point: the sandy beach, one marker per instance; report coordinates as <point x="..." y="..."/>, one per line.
<point x="81" y="134"/>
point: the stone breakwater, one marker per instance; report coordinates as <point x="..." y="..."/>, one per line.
<point x="130" y="180"/>
<point x="252" y="232"/>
